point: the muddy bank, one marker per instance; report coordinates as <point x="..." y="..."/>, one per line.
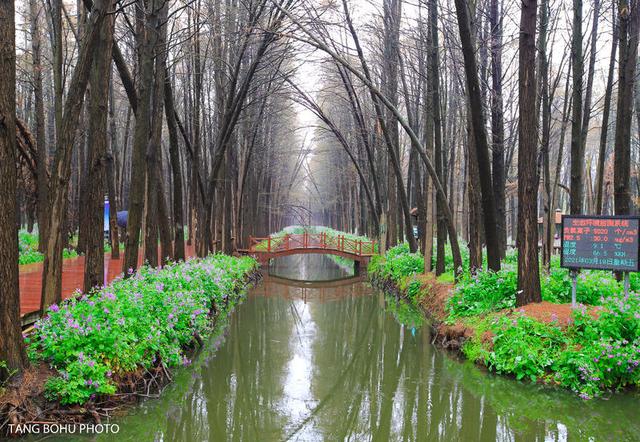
<point x="433" y="301"/>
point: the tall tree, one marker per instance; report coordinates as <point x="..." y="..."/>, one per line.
<point x="433" y="74"/>
<point x="41" y="145"/>
<point x="11" y="347"/>
<point x="577" y="147"/>
<point x="176" y="169"/>
<point x="98" y="103"/>
<point x="61" y="173"/>
<point x="146" y="38"/>
<point x="497" y="124"/>
<point x="480" y="135"/>
<point x="602" y="151"/>
<point x="528" y="268"/>
<point x="629" y="25"/>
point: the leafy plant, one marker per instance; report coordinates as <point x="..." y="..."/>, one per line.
<point x="484" y="292"/>
<point x="9" y="374"/>
<point x="523" y="346"/>
<point x="147" y="319"/>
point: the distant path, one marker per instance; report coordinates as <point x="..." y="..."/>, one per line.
<point x="72" y="278"/>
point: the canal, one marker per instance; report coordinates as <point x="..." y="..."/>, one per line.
<point x="328" y="361"/>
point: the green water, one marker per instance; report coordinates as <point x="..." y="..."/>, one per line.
<point x="331" y="363"/>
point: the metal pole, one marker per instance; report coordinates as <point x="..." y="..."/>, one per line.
<point x="574" y="282"/>
<point x="626" y="283"/>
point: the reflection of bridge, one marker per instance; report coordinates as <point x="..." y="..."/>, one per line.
<point x="265" y="249"/>
<point x="322" y="284"/>
<point x="321" y="290"/>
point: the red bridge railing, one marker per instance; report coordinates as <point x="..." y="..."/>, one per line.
<point x="275" y="244"/>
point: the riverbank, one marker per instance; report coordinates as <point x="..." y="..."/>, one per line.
<point x="91" y="354"/>
<point x="591" y="350"/>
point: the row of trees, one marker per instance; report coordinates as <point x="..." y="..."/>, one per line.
<point x="184" y="114"/>
<point x="174" y="111"/>
<point x="481" y="148"/>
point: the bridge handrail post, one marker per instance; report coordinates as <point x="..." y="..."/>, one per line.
<point x="269" y="244"/>
<point x="360" y="248"/>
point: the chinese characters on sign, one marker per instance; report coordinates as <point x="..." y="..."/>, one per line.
<point x="605" y="243"/>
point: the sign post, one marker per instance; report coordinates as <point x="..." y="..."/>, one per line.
<point x="600" y="243"/>
<point x="574" y="285"/>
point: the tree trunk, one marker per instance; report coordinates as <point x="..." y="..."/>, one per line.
<point x="111" y="179"/>
<point x="528" y="270"/>
<point x="602" y="151"/>
<point x="52" y="267"/>
<point x="497" y="126"/>
<point x="97" y="143"/>
<point x="586" y="113"/>
<point x="176" y="168"/>
<point x="153" y="159"/>
<point x="577" y="151"/>
<point x="628" y="46"/>
<point x="145" y="35"/>
<point x="480" y="136"/>
<point x="434" y="80"/>
<point x="41" y="144"/>
<point x="475" y="204"/>
<point x="11" y="346"/>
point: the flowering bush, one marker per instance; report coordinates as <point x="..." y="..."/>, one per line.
<point x="591" y="355"/>
<point x="147" y="319"/>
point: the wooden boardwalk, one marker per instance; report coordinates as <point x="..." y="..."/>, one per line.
<point x="72" y="278"/>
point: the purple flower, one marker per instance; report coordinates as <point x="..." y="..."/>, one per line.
<point x="106" y="311"/>
<point x="91" y="364"/>
<point x="54" y="308"/>
<point x="130" y="271"/>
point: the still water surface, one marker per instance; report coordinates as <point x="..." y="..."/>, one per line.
<point x="329" y="362"/>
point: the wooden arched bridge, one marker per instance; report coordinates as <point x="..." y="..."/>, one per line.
<point x="271" y="247"/>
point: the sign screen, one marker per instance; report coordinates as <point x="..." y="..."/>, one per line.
<point x="600" y="242"/>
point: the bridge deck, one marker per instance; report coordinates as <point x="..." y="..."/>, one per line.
<point x="321" y="243"/>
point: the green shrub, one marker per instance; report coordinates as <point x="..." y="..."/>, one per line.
<point x="523" y="346"/>
<point x="484" y="292"/>
<point x="28" y="249"/>
<point x="590" y="356"/>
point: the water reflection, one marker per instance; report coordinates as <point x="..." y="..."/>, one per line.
<point x="300" y="366"/>
<point x="310" y="268"/>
